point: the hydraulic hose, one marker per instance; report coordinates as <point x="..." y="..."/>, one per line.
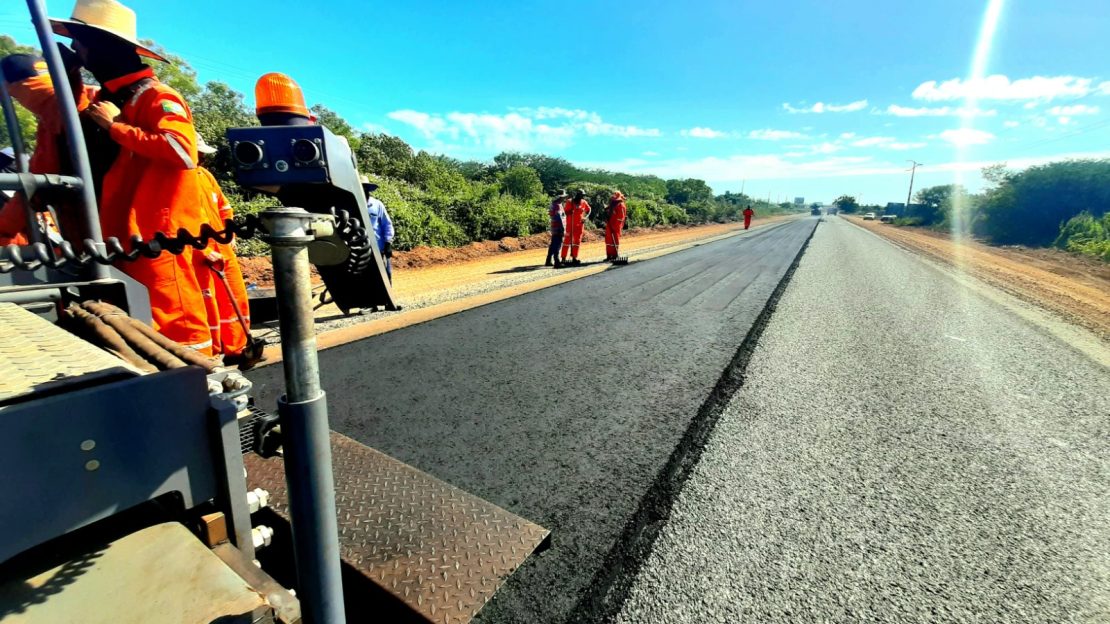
<point x="109" y="338"/>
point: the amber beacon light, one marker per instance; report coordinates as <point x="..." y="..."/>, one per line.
<point x="278" y="93"/>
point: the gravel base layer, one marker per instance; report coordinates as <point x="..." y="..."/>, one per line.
<point x="902" y="450"/>
<point x="561" y="405"/>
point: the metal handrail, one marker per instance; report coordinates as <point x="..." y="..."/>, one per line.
<point x="75" y="139"/>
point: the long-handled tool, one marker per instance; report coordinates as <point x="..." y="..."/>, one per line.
<point x="252" y="352"/>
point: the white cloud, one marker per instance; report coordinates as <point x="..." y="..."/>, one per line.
<point x="967" y="136"/>
<point x="1011" y="124"/>
<point x="941" y="111"/>
<point x="521" y="129"/>
<point x="821" y="107"/>
<point x="886" y="143"/>
<point x="731" y="169"/>
<point x="1104" y="88"/>
<point x="768" y="134"/>
<point x="1063" y="121"/>
<point x="999" y="87"/>
<point x="428" y="125"/>
<point x="1077" y="109"/>
<point x="704" y="133"/>
<point x="848" y="135"/>
<point x="651" y="153"/>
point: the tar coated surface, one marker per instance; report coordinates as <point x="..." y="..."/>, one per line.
<point x="902" y="451"/>
<point x="561" y="405"/>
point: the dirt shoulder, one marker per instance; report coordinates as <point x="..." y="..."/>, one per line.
<point x="1073" y="287"/>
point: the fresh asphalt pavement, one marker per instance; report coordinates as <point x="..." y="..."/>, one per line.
<point x="561" y="405"/>
<point x="903" y="450"/>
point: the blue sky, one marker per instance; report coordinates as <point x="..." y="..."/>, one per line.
<point x="786" y="98"/>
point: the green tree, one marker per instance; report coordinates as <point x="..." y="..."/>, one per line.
<point x="177" y="73"/>
<point x="522" y="182"/>
<point x="216" y="109"/>
<point x="688" y="191"/>
<point x="1029" y="207"/>
<point x="339" y="126"/>
<point x="846" y="204"/>
<point x="934" y="203"/>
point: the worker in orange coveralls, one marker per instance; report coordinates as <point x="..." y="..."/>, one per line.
<point x="218" y="272"/>
<point x="29" y="83"/>
<point x="577" y="211"/>
<point x="152" y="185"/>
<point x="614" y="224"/>
<point x="748" y="212"/>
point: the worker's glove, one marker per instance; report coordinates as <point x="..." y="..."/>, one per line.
<point x="387" y="251"/>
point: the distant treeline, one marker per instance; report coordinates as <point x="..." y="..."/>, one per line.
<point x="440" y="201"/>
<point x="1063" y="204"/>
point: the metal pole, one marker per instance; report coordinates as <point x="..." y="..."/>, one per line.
<point x="913" y="170"/>
<point x="304" y="423"/>
<point x="78" y="154"/>
<point x="20" y="163"/>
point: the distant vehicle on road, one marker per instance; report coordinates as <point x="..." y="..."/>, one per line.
<point x="869" y="216"/>
<point x="887" y="218"/>
<point x="815" y="211"/>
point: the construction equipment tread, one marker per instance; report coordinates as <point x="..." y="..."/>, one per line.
<point x="439" y="550"/>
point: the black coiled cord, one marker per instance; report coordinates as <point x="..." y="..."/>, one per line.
<point x="58" y="255"/>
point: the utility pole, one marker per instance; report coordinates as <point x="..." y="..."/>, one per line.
<point x="913" y="170"/>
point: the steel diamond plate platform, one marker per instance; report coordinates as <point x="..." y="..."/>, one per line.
<point x="37" y="356"/>
<point x="439" y="550"/>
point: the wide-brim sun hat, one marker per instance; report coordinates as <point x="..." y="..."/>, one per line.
<point x="106" y="16"/>
<point x="203" y="147"/>
<point x="367" y="185"/>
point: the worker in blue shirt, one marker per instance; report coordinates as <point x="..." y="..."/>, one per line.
<point x="380" y="224"/>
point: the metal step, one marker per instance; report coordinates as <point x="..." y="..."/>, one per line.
<point x="409" y="536"/>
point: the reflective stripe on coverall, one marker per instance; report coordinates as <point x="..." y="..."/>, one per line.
<point x="152" y="187"/>
<point x="228" y="335"/>
<point x="577" y="213"/>
<point x="613" y="227"/>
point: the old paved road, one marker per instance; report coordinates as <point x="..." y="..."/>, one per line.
<point x="904" y="449"/>
<point x="561" y="405"/>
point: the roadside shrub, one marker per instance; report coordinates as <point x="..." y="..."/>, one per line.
<point x="909" y="221"/>
<point x="414" y="220"/>
<point x="1086" y="235"/>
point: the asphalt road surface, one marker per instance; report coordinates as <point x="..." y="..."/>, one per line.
<point x="903" y="450"/>
<point x="562" y="405"/>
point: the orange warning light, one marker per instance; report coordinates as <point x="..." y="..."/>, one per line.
<point x="278" y="93"/>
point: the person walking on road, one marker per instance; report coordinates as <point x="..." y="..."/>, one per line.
<point x="577" y="211"/>
<point x="380" y="224"/>
<point x="748" y="212"/>
<point x="558" y="227"/>
<point x="614" y="223"/>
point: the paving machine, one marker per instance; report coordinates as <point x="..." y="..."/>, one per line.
<point x="141" y="483"/>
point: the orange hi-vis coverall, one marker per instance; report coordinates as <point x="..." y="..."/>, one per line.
<point x="576" y="213"/>
<point x="36" y="94"/>
<point x="229" y="337"/>
<point x="613" y="227"/>
<point x="153" y="187"/>
<point x="748" y="212"/>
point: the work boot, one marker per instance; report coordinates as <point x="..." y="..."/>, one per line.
<point x="547" y="262"/>
<point x="558" y="265"/>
